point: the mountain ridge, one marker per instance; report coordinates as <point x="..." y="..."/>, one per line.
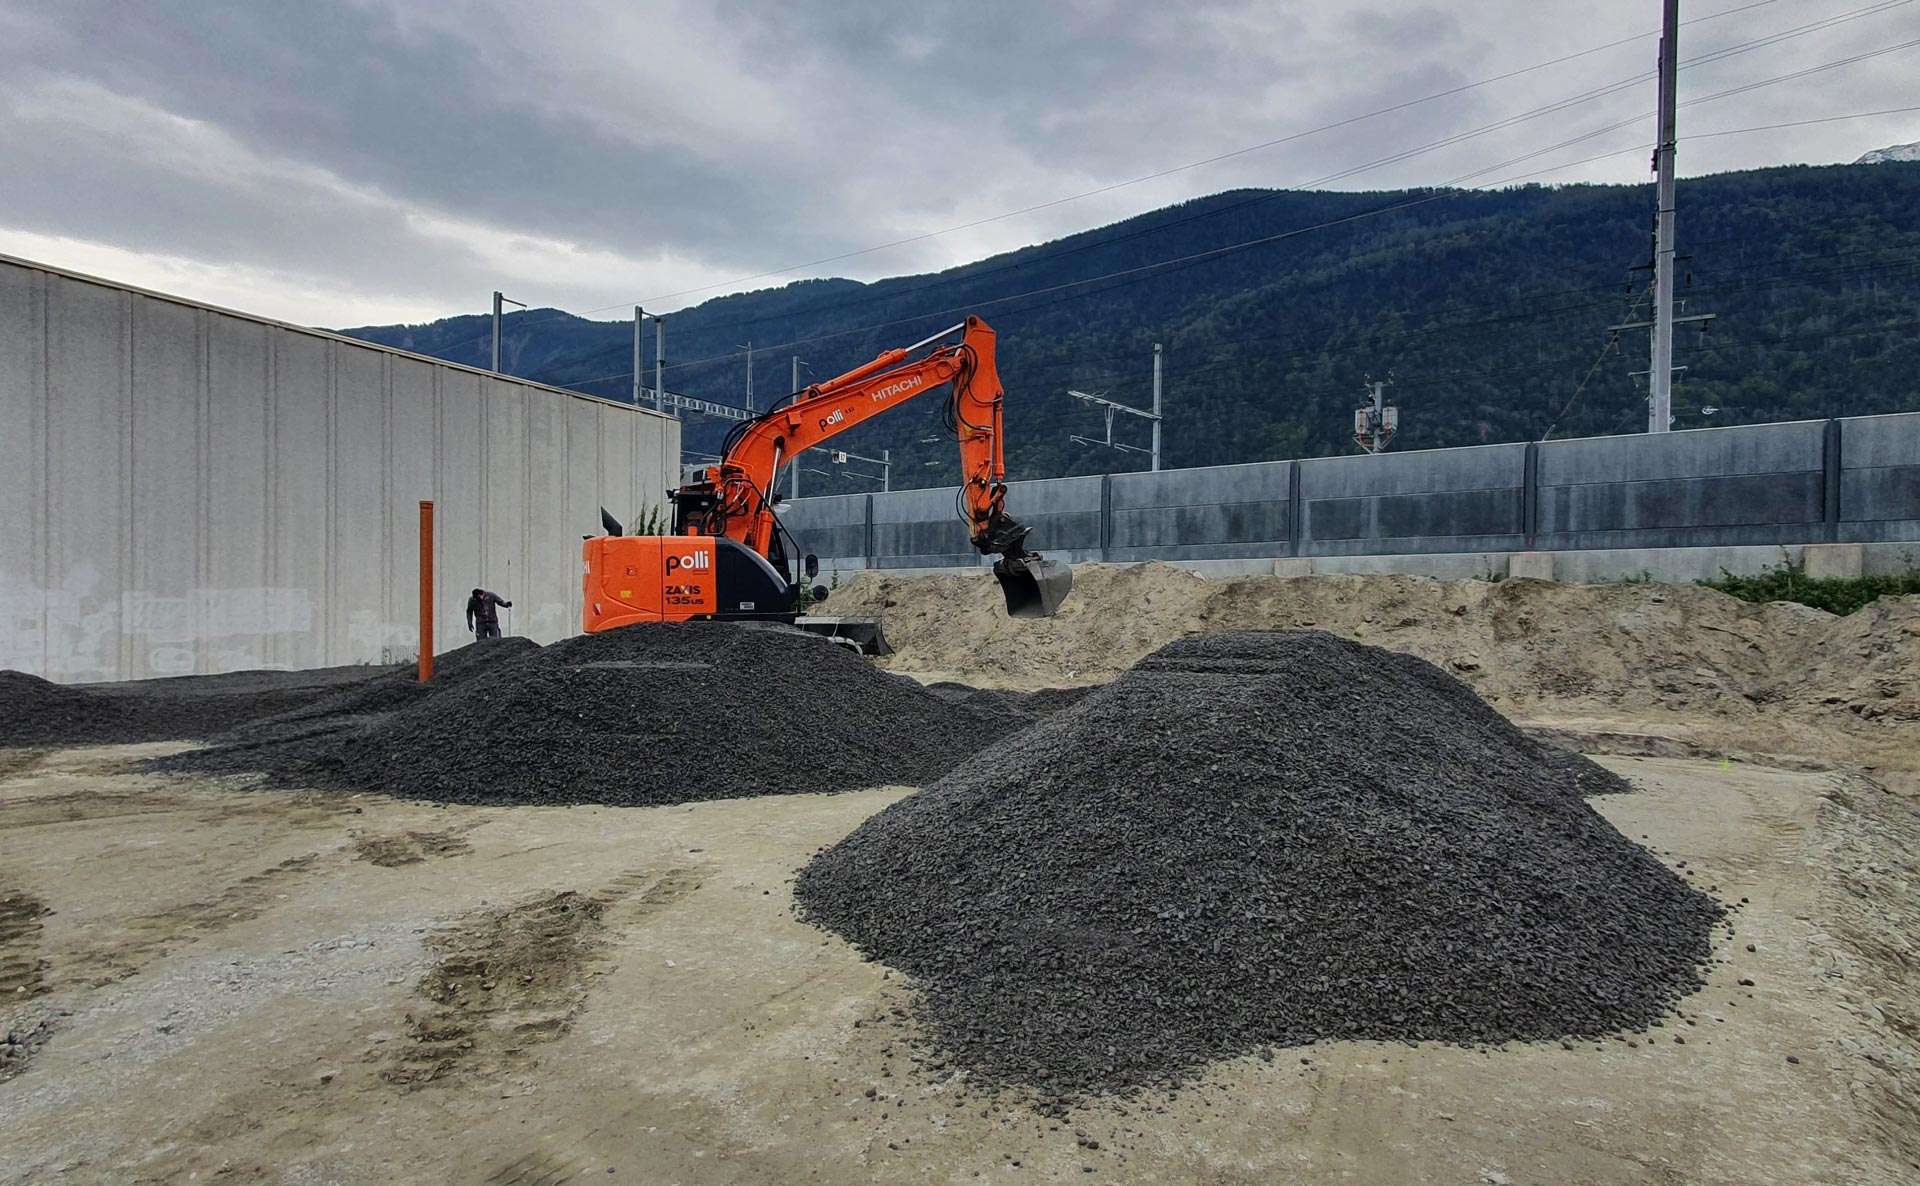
<point x="1489" y="308"/>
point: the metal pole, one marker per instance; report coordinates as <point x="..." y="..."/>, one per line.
<point x="886" y="470"/>
<point x="426" y="590"/>
<point x="1156" y="407"/>
<point x="749" y="376"/>
<point x="793" y="466"/>
<point x="1660" y="374"/>
<point x="496" y="331"/>
<point x="638" y="314"/>
<point x="659" y="354"/>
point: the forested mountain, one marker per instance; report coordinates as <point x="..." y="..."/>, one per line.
<point x="1488" y="309"/>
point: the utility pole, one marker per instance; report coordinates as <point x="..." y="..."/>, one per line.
<point x="659" y="359"/>
<point x="499" y="300"/>
<point x="1155" y="467"/>
<point x="749" y="349"/>
<point x="1375" y="421"/>
<point x="1660" y="377"/>
<point x="638" y="388"/>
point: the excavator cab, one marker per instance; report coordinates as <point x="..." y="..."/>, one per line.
<point x="1033" y="586"/>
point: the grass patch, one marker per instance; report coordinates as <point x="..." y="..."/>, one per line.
<point x="1836" y="595"/>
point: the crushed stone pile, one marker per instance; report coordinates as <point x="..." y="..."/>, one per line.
<point x="1221" y="853"/>
<point x="35" y="712"/>
<point x="646" y="715"/>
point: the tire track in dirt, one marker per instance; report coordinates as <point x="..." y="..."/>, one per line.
<point x="411" y="847"/>
<point x="17" y="761"/>
<point x="22" y="963"/>
<point x="513" y="978"/>
<point x="146" y="938"/>
<point x="1869" y="861"/>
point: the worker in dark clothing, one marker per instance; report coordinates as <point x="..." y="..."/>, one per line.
<point x="483" y="618"/>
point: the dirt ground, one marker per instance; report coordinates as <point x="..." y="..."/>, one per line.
<point x="201" y="981"/>
<point x="220" y="984"/>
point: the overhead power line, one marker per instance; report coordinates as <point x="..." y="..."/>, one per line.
<point x="1394" y="158"/>
<point x="1742" y="47"/>
<point x="1243" y="151"/>
<point x="1136" y="273"/>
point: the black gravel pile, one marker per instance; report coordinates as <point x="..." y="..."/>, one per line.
<point x="1220" y="853"/>
<point x="1033" y="705"/>
<point x="647" y="715"/>
<point x="34" y="711"/>
<point x="304" y="743"/>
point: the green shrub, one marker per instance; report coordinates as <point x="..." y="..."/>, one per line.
<point x="1836" y="595"/>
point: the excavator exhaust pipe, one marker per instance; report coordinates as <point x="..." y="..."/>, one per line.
<point x="1034" y="587"/>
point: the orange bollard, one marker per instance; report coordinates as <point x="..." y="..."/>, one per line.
<point x="426" y="590"/>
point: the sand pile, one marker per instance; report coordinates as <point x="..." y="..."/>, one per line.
<point x="1220" y="853"/>
<point x="646" y="715"/>
<point x="1679" y="661"/>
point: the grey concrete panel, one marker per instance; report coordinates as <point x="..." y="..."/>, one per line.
<point x="357" y="627"/>
<point x="89" y="491"/>
<point x="916" y="506"/>
<point x="458" y="513"/>
<point x="294" y="603"/>
<point x="1746" y="449"/>
<point x="620" y="490"/>
<point x="1482" y="467"/>
<point x="553" y="536"/>
<point x="411" y="464"/>
<point x="23" y="475"/>
<point x="948" y="537"/>
<point x="230" y="492"/>
<point x="504" y="466"/>
<point x="1880" y="494"/>
<point x="1682" y="504"/>
<point x="1054" y="495"/>
<point x="239" y="489"/>
<point x="833" y="527"/>
<point x="1231" y="522"/>
<point x="1063" y="532"/>
<point x="1880" y="442"/>
<point x="160" y="615"/>
<point x="1444" y="515"/>
<point x="583" y="489"/>
<point x="1258" y="482"/>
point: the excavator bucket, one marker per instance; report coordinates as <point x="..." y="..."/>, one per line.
<point x="1034" y="587"/>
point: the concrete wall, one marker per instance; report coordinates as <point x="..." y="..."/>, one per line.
<point x="1439" y="500"/>
<point x="1879" y="478"/>
<point x="1729" y="495"/>
<point x="185" y="489"/>
<point x="1754" y="484"/>
<point x="1218" y="512"/>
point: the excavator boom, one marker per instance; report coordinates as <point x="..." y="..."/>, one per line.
<point x="731" y="503"/>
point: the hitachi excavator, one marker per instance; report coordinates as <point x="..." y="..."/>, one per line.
<point x="730" y="557"/>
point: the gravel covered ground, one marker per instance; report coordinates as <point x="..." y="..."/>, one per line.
<point x="647" y="715"/>
<point x="1251" y="841"/>
<point x="38" y="712"/>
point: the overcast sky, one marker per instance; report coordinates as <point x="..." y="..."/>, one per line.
<point x="346" y="163"/>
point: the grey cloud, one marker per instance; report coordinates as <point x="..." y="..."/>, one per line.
<point x="722" y="139"/>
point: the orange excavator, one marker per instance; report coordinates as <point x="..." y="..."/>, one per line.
<point x="730" y="557"/>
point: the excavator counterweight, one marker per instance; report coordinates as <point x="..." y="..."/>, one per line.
<point x="729" y="556"/>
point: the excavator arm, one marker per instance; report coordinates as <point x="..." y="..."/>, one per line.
<point x="733" y="499"/>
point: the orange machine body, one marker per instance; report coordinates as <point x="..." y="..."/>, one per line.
<point x="731" y="558"/>
<point x="649" y="578"/>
